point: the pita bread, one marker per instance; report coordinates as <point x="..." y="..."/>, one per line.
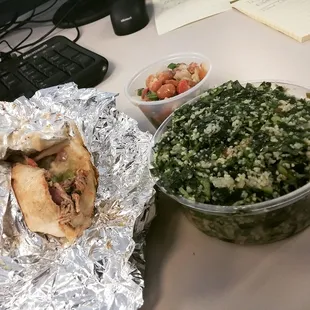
<point x="40" y="212"/>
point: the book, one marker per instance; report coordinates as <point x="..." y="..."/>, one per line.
<point x="291" y="17"/>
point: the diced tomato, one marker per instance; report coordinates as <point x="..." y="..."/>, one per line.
<point x="166" y="91"/>
<point x="144" y="92"/>
<point x="153" y="83"/>
<point x="174" y="82"/>
<point x="31" y="162"/>
<point x="149" y="80"/>
<point x="164" y="76"/>
<point x="155" y="86"/>
<point x="183" y="86"/>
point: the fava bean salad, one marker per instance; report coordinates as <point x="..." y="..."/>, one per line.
<point x="236" y="145"/>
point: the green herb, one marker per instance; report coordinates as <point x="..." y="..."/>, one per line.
<point x="63" y="177"/>
<point x="152" y="95"/>
<point x="259" y="228"/>
<point x="236" y="146"/>
<point x="139" y="91"/>
<point x="172" y="66"/>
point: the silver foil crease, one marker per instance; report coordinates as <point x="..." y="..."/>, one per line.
<point x="103" y="269"/>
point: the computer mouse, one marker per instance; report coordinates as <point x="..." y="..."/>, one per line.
<point x="128" y="16"/>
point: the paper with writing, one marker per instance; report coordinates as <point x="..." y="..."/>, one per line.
<point x="291" y="17"/>
<point x="172" y="14"/>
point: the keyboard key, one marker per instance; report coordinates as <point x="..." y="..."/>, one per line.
<point x="28" y="70"/>
<point x="48" y="52"/>
<point x="50" y="71"/>
<point x="56" y="79"/>
<point x="43" y="66"/>
<point x="3" y="72"/>
<point x="69" y="52"/>
<point x="25" y="68"/>
<point x="73" y="68"/>
<point x="57" y="45"/>
<point x="84" y="60"/>
<point x="51" y="56"/>
<point x="62" y="62"/>
<point x="10" y="81"/>
<point x="42" y="84"/>
<point x="36" y="78"/>
<point x="6" y="78"/>
<point x="39" y="61"/>
<point x="13" y="84"/>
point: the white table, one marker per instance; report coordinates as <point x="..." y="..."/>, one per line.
<point x="187" y="270"/>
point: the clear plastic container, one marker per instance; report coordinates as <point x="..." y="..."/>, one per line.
<point x="158" y="111"/>
<point x="259" y="223"/>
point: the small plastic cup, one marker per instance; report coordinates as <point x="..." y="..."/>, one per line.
<point x="158" y="111"/>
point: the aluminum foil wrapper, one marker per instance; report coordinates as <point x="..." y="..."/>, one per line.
<point x="104" y="268"/>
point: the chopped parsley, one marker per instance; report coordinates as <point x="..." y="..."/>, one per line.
<point x="152" y="95"/>
<point x="63" y="177"/>
<point x="236" y="145"/>
<point x="172" y="66"/>
<point x="139" y="91"/>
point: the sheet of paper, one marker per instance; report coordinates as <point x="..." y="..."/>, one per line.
<point x="172" y="14"/>
<point x="291" y="17"/>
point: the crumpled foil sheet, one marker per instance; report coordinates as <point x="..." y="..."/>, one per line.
<point x="104" y="268"/>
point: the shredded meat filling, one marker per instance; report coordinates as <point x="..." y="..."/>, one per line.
<point x="67" y="184"/>
<point x="76" y="199"/>
<point x="66" y="211"/>
<point x="80" y="180"/>
<point x="69" y="204"/>
<point x="48" y="175"/>
<point x="60" y="197"/>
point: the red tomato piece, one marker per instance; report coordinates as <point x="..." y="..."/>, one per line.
<point x="183" y="86"/>
<point x="166" y="91"/>
<point x="164" y="76"/>
<point x="174" y="82"/>
<point x="144" y="92"/>
<point x="155" y="85"/>
<point x="31" y="162"/>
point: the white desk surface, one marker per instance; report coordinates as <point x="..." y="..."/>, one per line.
<point x="187" y="270"/>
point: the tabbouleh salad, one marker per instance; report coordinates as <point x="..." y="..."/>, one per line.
<point x="237" y="145"/>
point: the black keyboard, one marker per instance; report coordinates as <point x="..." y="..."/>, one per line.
<point x="56" y="61"/>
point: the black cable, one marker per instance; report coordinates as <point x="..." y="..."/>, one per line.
<point x="4" y="55"/>
<point x="7" y="43"/>
<point x="49" y="32"/>
<point x="78" y="33"/>
<point x="18" y="24"/>
<point x="25" y="39"/>
<point x="5" y="27"/>
<point x="18" y="47"/>
<point x="41" y="12"/>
